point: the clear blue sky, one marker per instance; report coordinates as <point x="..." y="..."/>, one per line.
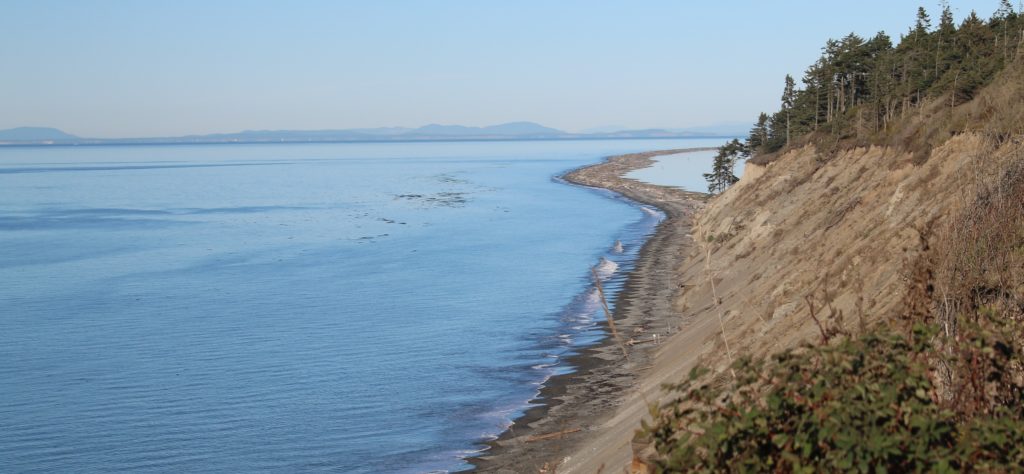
<point x="154" y="68"/>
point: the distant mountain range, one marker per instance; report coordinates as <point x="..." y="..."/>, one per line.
<point x="433" y="132"/>
<point x="34" y="134"/>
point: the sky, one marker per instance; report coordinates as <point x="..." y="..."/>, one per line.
<point x="109" y="69"/>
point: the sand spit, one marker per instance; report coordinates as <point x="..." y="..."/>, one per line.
<point x="838" y="230"/>
<point x="585" y="406"/>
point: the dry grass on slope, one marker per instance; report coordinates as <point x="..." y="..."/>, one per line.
<point x="930" y="379"/>
<point x="837" y="228"/>
<point x="842" y="251"/>
<point x="836" y="235"/>
<point x="871" y="250"/>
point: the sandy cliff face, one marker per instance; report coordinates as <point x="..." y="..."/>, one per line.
<point x="817" y="231"/>
<point x="831" y="239"/>
<point x="836" y="234"/>
<point x="836" y="231"/>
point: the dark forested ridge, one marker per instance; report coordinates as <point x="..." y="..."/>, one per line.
<point x="861" y="91"/>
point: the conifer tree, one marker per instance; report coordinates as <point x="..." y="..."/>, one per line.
<point x="788" y="101"/>
<point x="944" y="40"/>
<point x="758" y="135"/>
<point x="1001" y="20"/>
<point x="924" y="23"/>
<point x="857" y="89"/>
<point x="1005" y="11"/>
<point x="722" y="171"/>
<point x="946" y="19"/>
<point x="776" y="132"/>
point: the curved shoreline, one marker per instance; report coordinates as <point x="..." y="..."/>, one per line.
<point x="571" y="408"/>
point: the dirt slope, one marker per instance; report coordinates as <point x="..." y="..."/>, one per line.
<point x="833" y="231"/>
<point x="837" y="232"/>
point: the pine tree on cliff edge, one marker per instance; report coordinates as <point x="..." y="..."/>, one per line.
<point x="758" y="135"/>
<point x="722" y="171"/>
<point x="788" y="101"/>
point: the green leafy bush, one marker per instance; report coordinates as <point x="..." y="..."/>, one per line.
<point x="864" y="404"/>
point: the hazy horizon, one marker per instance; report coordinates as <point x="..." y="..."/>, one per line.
<point x="108" y="69"/>
<point x="719" y="129"/>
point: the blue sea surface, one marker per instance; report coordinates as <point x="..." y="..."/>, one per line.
<point x="309" y="307"/>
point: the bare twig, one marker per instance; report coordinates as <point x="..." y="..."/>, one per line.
<point x="824" y="334"/>
<point x="608" y="313"/>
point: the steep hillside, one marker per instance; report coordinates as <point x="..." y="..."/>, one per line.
<point x="823" y="243"/>
<point x="841" y="227"/>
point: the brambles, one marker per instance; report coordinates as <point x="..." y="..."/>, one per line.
<point x="868" y="403"/>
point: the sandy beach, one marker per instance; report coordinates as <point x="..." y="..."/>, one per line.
<point x="764" y="249"/>
<point x="583" y="422"/>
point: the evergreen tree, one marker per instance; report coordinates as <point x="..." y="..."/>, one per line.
<point x="758" y="135"/>
<point x="946" y="25"/>
<point x="814" y="87"/>
<point x="858" y="88"/>
<point x="788" y="101"/>
<point x="977" y="58"/>
<point x="1001" y="21"/>
<point x="722" y="173"/>
<point x="1005" y="11"/>
<point x="945" y="36"/>
<point x="923" y="24"/>
<point x="776" y="132"/>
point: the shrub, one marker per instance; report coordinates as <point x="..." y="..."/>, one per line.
<point x="864" y="404"/>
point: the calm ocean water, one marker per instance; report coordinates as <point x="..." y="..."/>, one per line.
<point x="322" y="307"/>
<point x="683" y="170"/>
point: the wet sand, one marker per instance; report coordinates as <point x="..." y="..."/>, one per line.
<point x="576" y="410"/>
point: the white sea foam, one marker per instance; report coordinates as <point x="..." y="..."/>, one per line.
<point x="606" y="268"/>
